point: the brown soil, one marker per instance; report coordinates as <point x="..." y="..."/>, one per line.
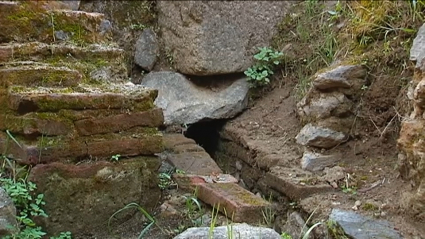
<point x="370" y="156"/>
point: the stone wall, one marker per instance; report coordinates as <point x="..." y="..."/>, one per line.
<point x="412" y="135"/>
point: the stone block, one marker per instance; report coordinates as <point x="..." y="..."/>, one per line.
<point x="235" y="202"/>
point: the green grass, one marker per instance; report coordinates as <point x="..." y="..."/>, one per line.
<point x="131" y="206"/>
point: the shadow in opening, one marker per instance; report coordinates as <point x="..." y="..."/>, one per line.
<point x="206" y="134"/>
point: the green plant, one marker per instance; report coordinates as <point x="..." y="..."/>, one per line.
<point x="137" y="26"/>
<point x="151" y="219"/>
<point x="63" y="235"/>
<point x="21" y="192"/>
<point x="285" y="235"/>
<point x="192" y="205"/>
<point x="179" y="171"/>
<point x="268" y="213"/>
<point x="115" y="157"/>
<point x="170" y="57"/>
<point x="28" y="206"/>
<point x="165" y="180"/>
<point x="260" y="73"/>
<point x="214" y="215"/>
<point x="229" y="225"/>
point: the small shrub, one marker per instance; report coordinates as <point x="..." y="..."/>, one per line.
<point x="260" y="73"/>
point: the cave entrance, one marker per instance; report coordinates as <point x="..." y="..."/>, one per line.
<point x="206" y="134"/>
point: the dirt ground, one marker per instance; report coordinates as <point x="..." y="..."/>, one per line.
<point x="369" y="157"/>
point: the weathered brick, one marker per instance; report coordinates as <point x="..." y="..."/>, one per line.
<point x="121" y="122"/>
<point x="135" y="142"/>
<point x="36" y="124"/>
<point x="25" y="100"/>
<point x="89" y="60"/>
<point x="43" y="75"/>
<point x="236" y="202"/>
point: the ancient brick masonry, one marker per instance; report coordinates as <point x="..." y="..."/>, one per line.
<point x="52" y="101"/>
<point x="66" y="99"/>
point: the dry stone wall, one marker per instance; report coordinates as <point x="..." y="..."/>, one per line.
<point x="412" y="134"/>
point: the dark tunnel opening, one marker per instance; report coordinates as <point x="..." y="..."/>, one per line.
<point x="206" y="134"/>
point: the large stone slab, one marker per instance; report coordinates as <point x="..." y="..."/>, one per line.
<point x="184" y="102"/>
<point x="212" y="37"/>
<point x="137" y="141"/>
<point x="242" y="230"/>
<point x="82" y="198"/>
<point x="360" y="227"/>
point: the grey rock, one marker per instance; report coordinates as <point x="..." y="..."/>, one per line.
<point x="417" y="52"/>
<point x="320" y="137"/>
<point x="214" y="37"/>
<point x="312" y="161"/>
<point x="342" y="76"/>
<point x="105" y="26"/>
<point x="241" y="230"/>
<point x="147" y="50"/>
<point x="61" y="35"/>
<point x="333" y="174"/>
<point x="101" y="74"/>
<point x="361" y="227"/>
<point x="184" y="102"/>
<point x="323" y="105"/>
<point x="8" y="223"/>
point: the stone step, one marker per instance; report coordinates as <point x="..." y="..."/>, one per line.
<point x="235" y="202"/>
<point x="295" y="183"/>
<point x="99" y="63"/>
<point x="222" y="192"/>
<point x="38" y="51"/>
<point x="29" y="20"/>
<point x="186" y="155"/>
<point x="115" y="96"/>
<point x="43" y="149"/>
<point x="37" y="74"/>
<point x="64" y="123"/>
